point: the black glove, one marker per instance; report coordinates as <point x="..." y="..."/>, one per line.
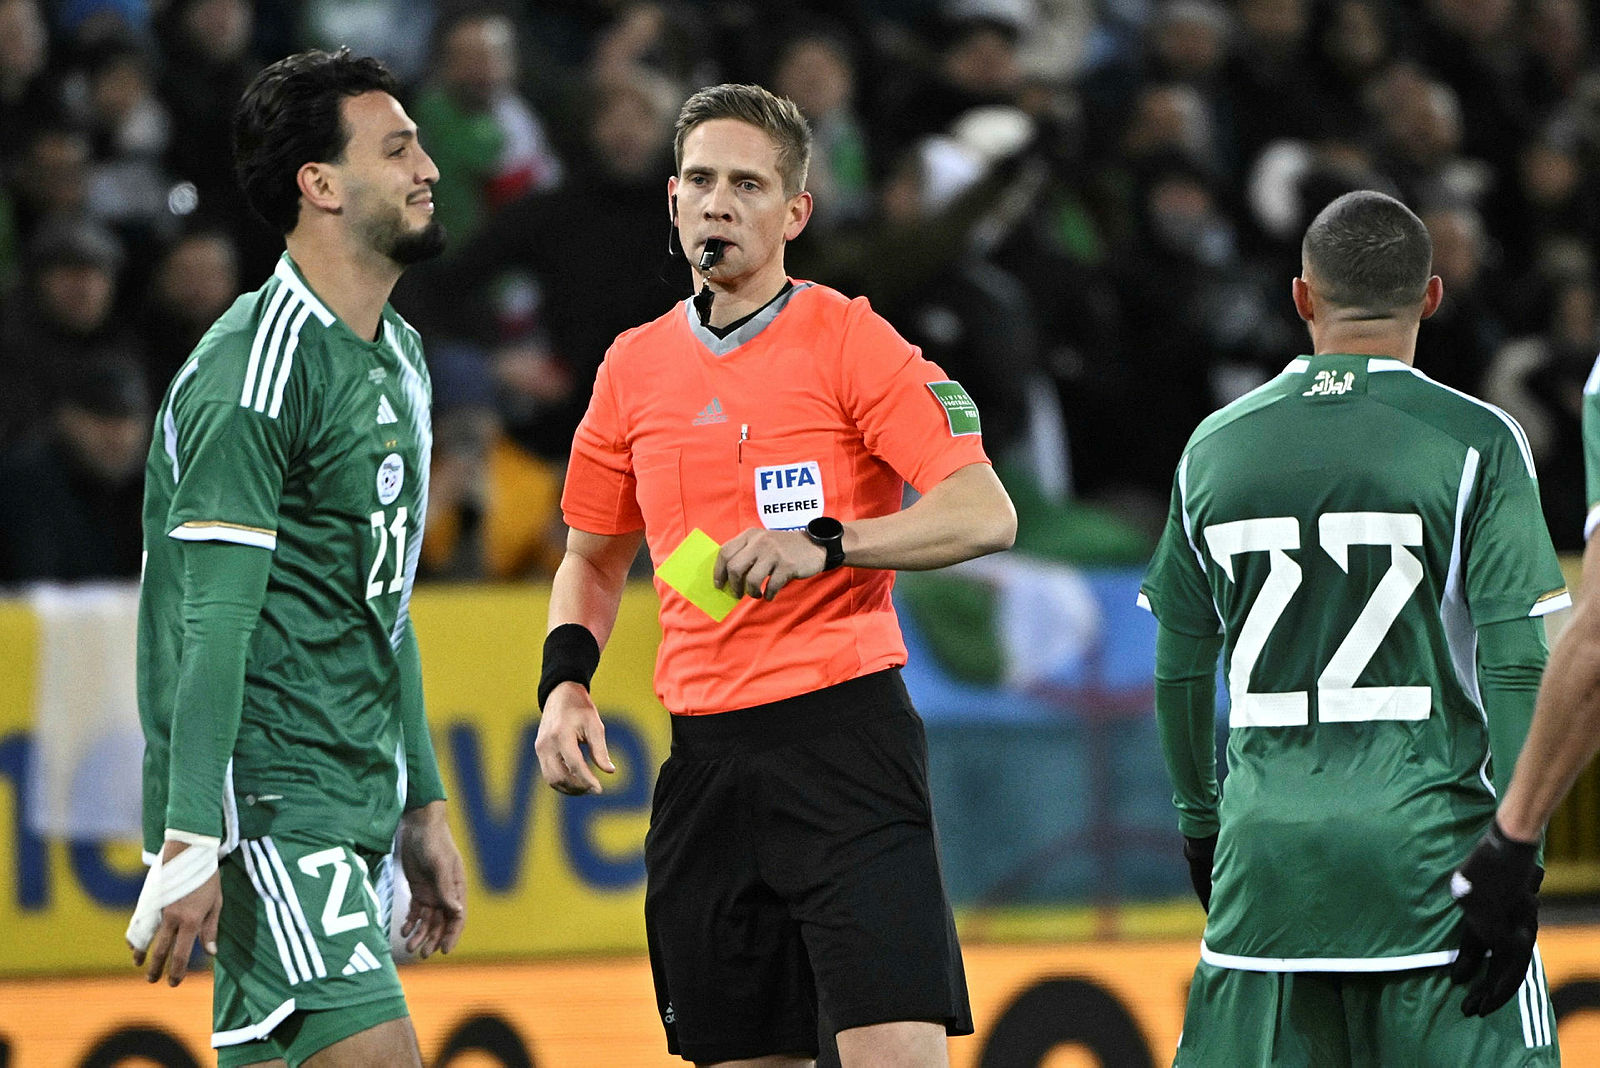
<point x="1201" y="853"/>
<point x="1498" y="891"/>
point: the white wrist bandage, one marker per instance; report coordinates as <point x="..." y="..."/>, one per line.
<point x="172" y="880"/>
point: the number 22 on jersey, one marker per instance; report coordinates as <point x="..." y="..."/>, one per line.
<point x="1339" y="699"/>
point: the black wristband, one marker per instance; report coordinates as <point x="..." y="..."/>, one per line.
<point x="571" y="654"/>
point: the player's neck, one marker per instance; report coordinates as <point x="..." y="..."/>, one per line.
<point x="745" y="295"/>
<point x="1367" y="339"/>
<point x="354" y="283"/>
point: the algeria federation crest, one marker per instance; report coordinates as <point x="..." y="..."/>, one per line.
<point x="391" y="476"/>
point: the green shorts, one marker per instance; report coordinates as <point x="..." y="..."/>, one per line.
<point x="302" y="949"/>
<point x="1359" y="1020"/>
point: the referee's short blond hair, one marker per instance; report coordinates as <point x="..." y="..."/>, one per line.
<point x="777" y="116"/>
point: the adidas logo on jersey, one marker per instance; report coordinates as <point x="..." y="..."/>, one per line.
<point x="362" y="960"/>
<point x="711" y="413"/>
<point x="386" y="411"/>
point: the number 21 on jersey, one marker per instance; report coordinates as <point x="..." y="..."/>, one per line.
<point x="385" y="531"/>
<point x="1339" y="699"/>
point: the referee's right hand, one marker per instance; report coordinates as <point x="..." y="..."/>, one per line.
<point x="571" y="721"/>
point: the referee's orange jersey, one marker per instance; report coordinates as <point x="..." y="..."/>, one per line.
<point x="814" y="407"/>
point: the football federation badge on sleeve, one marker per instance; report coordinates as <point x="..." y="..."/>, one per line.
<point x="788" y="496"/>
<point x="959" y="409"/>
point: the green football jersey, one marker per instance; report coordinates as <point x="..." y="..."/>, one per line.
<point x="1347" y="527"/>
<point x="286" y="431"/>
<point x="1591" y="449"/>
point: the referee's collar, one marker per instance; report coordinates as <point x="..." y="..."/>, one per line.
<point x="748" y="331"/>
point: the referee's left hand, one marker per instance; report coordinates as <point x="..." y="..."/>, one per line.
<point x="760" y="562"/>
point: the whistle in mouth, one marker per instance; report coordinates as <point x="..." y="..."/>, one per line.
<point x="711" y="253"/>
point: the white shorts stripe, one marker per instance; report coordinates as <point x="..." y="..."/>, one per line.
<point x="1524" y="1006"/>
<point x="1542" y="992"/>
<point x="248" y="851"/>
<point x="293" y="901"/>
<point x="282" y="894"/>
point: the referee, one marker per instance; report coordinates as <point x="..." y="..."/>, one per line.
<point x="791" y="855"/>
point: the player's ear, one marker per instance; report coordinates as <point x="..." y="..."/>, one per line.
<point x="1303" y="303"/>
<point x="1432" y="295"/>
<point x="319" y="185"/>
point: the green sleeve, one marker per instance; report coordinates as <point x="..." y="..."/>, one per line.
<point x="1186" y="716"/>
<point x="1591" y="447"/>
<point x="1511" y="657"/>
<point x="224" y="587"/>
<point x="423" y="784"/>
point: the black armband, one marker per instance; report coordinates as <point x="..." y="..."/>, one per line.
<point x="571" y="654"/>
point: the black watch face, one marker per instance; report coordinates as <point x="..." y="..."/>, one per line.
<point x="825" y="528"/>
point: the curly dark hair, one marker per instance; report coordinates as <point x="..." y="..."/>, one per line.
<point x="290" y="116"/>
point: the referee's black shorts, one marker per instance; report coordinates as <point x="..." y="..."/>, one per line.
<point x="792" y="861"/>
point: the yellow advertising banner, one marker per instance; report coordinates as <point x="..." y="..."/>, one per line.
<point x="1106" y="1003"/>
<point x="547" y="874"/>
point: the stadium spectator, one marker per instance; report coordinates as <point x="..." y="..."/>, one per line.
<point x="489" y="144"/>
<point x="917" y="263"/>
<point x="1555" y="197"/>
<point x="1173" y="354"/>
<point x="209" y="61"/>
<point x="1421" y="123"/>
<point x="1465" y="333"/>
<point x="1351" y="491"/>
<point x="791" y="718"/>
<point x="1355" y="44"/>
<point x="51" y="178"/>
<point x="969" y="60"/>
<point x="398" y="33"/>
<point x="1271" y="81"/>
<point x="29" y="90"/>
<point x="1539" y="380"/>
<point x="527" y="334"/>
<point x="817" y="72"/>
<point x="1478" y="49"/>
<point x="128" y="185"/>
<point x="60" y="318"/>
<point x="195" y="281"/>
<point x="1185" y="43"/>
<point x="70" y="495"/>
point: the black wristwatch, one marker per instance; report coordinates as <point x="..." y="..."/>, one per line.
<point x="827" y="532"/>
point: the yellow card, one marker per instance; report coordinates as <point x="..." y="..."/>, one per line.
<point x="688" y="570"/>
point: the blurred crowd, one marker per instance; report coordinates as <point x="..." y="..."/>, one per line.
<point x="1088" y="211"/>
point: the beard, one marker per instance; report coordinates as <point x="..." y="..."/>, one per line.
<point x="414" y="246"/>
<point x="388" y="234"/>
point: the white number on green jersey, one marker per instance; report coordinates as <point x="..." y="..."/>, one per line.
<point x="386" y="531"/>
<point x="1339" y="699"/>
<point x="333" y="921"/>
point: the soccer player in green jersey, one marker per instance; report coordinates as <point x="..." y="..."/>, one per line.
<point x="1492" y="886"/>
<point x="279" y="681"/>
<point x="1364" y="549"/>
